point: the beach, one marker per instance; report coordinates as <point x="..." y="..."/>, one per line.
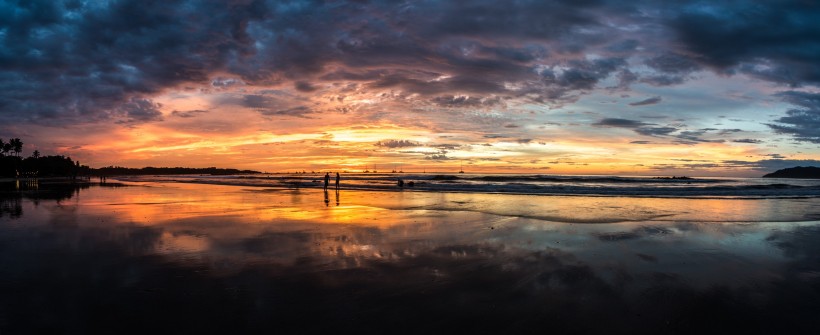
<point x="157" y="255"/>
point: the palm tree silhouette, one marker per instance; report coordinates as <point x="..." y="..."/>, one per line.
<point x="6" y="148"/>
<point x="16" y="145"/>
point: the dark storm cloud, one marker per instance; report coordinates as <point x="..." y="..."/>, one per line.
<point x="533" y="19"/>
<point x="257" y="101"/>
<point x="304" y="86"/>
<point x="87" y="61"/>
<point x="747" y="140"/>
<point x="655" y="131"/>
<point x="72" y="61"/>
<point x="647" y="129"/>
<point x="141" y="110"/>
<point x="188" y="114"/>
<point x="84" y="60"/>
<point x="689" y="136"/>
<point x="583" y="74"/>
<point x="464" y="101"/>
<point x="724" y="131"/>
<point x="776" y="40"/>
<point x="646" y="102"/>
<point x="651" y="129"/>
<point x="619" y="123"/>
<point x="803" y="122"/>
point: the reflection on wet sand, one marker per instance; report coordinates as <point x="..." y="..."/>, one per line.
<point x="13" y="206"/>
<point x="222" y="258"/>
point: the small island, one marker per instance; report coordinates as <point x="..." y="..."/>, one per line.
<point x="805" y="172"/>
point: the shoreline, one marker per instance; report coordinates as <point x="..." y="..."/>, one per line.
<point x="556" y="208"/>
<point x="699" y="195"/>
<point x="185" y="252"/>
<point x="656" y="193"/>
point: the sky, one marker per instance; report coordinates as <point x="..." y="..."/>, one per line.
<point x="700" y="88"/>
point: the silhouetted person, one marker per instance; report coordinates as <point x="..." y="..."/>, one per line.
<point x="401" y="183"/>
<point x="327" y="180"/>
<point x="337" y="183"/>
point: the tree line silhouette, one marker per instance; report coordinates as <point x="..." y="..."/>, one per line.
<point x="14" y="144"/>
<point x="118" y="170"/>
<point x="12" y="165"/>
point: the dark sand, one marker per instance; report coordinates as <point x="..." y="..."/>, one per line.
<point x="190" y="258"/>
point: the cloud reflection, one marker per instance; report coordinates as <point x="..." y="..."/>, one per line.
<point x="239" y="260"/>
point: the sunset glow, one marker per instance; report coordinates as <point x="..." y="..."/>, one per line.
<point x="555" y="87"/>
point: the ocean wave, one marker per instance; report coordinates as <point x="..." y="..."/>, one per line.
<point x="522" y="184"/>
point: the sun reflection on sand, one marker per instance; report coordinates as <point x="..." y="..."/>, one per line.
<point x="244" y="226"/>
<point x="390" y="249"/>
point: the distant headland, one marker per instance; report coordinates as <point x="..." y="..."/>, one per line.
<point x="807" y="172"/>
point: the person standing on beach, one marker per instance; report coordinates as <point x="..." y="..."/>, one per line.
<point x="337" y="181"/>
<point x="327" y="180"/>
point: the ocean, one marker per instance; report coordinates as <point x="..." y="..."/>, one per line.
<point x="536" y="184"/>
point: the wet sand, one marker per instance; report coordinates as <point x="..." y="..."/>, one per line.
<point x="161" y="257"/>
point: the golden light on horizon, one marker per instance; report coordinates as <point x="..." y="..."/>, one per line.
<point x="332" y="137"/>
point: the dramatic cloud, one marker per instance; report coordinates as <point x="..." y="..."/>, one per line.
<point x="647" y="129"/>
<point x="510" y="73"/>
<point x="188" y="114"/>
<point x="696" y="136"/>
<point x="655" y="131"/>
<point x="425" y="48"/>
<point x="300" y="111"/>
<point x="747" y="140"/>
<point x="464" y="101"/>
<point x="141" y="110"/>
<point x="803" y="122"/>
<point x="645" y="102"/>
<point x="392" y="144"/>
<point x="776" y="41"/>
<point x="619" y="123"/>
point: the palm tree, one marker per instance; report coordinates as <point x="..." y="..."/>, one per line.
<point x="17" y="145"/>
<point x="35" y="154"/>
<point x="6" y="148"/>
